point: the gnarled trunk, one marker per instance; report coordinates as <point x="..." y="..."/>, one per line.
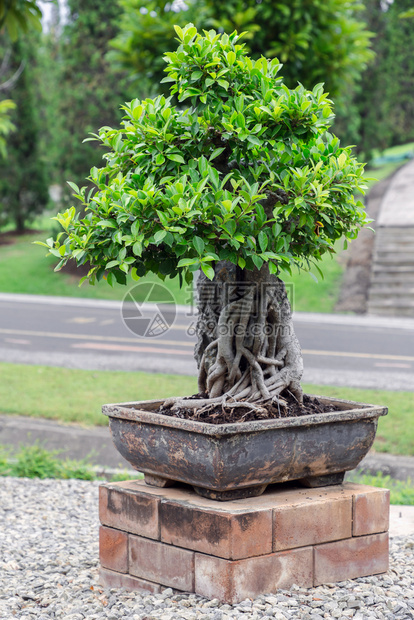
<point x="247" y="352"/>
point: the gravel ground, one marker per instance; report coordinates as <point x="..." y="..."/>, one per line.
<point x="49" y="569"/>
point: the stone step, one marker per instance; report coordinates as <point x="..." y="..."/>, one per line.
<point x="384" y="280"/>
<point x="397" y="305"/>
<point x="392" y="258"/>
<point x="396" y="270"/>
<point x="394" y="241"/>
<point x="394" y="262"/>
<point x="394" y="231"/>
<point x="390" y="311"/>
<point x="392" y="288"/>
<point x="376" y="297"/>
<point x="397" y="249"/>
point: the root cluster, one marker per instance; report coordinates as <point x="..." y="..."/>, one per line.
<point x="247" y="352"/>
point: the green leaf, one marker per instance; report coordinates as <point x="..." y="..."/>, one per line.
<point x="107" y="224"/>
<point x="214" y="177"/>
<point x="112" y="263"/>
<point x="231" y="57"/>
<point x="135" y="228"/>
<point x="134" y="274"/>
<point x="254" y="140"/>
<point x="179" y="32"/>
<point x="216" y="153"/>
<point x="199" y="245"/>
<point x="159" y="235"/>
<point x="208" y="270"/>
<point x="178" y="158"/>
<point x="230" y="226"/>
<point x="257" y="261"/>
<point x="73" y="186"/>
<point x="185" y="262"/>
<point x="137" y="248"/>
<point x="263" y="240"/>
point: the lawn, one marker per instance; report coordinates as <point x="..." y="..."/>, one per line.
<point x="24" y="268"/>
<point x="386" y="163"/>
<point x="76" y="396"/>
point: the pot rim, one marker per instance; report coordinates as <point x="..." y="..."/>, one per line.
<point x="352" y="411"/>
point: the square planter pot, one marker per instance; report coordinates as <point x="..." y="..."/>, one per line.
<point x="231" y="461"/>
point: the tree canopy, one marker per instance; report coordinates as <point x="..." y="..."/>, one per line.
<point x="247" y="173"/>
<point x="318" y="40"/>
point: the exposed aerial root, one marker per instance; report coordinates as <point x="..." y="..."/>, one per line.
<point x="247" y="351"/>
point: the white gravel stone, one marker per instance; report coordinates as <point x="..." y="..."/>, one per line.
<point x="49" y="571"/>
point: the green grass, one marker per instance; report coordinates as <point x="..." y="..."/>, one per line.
<point x="381" y="169"/>
<point x="24" y="268"/>
<point x="37" y="462"/>
<point x="70" y="395"/>
<point x="401" y="492"/>
<point x="395" y="431"/>
<point x="76" y="396"/>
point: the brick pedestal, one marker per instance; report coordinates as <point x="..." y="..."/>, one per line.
<point x="152" y="538"/>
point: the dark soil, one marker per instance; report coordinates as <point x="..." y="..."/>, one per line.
<point x="228" y="415"/>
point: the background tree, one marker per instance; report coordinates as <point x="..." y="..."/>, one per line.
<point x="23" y="188"/>
<point x="380" y="113"/>
<point x="90" y="91"/>
<point x="243" y="184"/>
<point x="318" y="40"/>
<point x="15" y="16"/>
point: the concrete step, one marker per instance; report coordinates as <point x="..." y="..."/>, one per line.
<point x="379" y="298"/>
<point x="382" y="240"/>
<point x="391" y="291"/>
<point x="396" y="270"/>
<point x="385" y="280"/>
<point x="398" y="250"/>
<point x="401" y="300"/>
<point x="398" y="261"/>
<point x="394" y="231"/>
<point x="393" y="288"/>
<point x="390" y="310"/>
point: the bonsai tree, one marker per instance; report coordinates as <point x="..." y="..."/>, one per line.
<point x="242" y="181"/>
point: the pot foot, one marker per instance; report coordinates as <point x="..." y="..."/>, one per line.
<point x="158" y="481"/>
<point x="323" y="481"/>
<point x="227" y="496"/>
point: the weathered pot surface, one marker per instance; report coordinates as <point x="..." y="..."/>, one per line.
<point x="231" y="461"/>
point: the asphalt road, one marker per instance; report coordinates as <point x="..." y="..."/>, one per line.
<point x="370" y="352"/>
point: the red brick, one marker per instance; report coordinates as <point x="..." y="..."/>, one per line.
<point x="113" y="549"/>
<point x="303" y="523"/>
<point x="225" y="533"/>
<point x="165" y="564"/>
<point x="233" y="581"/>
<point x="126" y="507"/>
<point x="110" y="579"/>
<point x="371" y="511"/>
<point x="348" y="559"/>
